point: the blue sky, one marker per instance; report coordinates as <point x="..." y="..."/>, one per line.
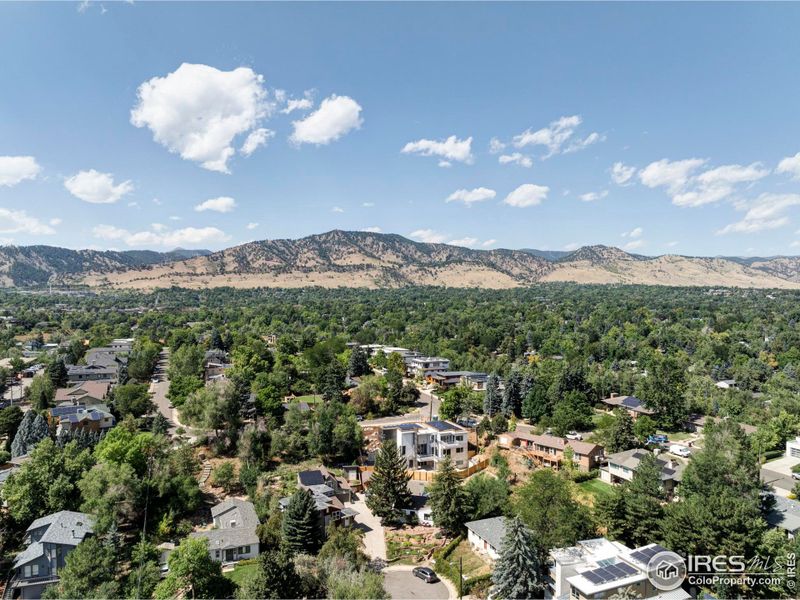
<point x="207" y="125"/>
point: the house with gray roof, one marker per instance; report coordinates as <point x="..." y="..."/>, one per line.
<point x="621" y="466"/>
<point x="233" y="535"/>
<point x="785" y="515"/>
<point x="49" y="540"/>
<point x="486" y="535"/>
<point x="331" y="495"/>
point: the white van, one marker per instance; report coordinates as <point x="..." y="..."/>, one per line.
<point x="679" y="450"/>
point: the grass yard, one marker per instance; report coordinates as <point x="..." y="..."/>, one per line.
<point x="241" y="570"/>
<point x="595" y="489"/>
<point x="310" y="399"/>
<point x="474" y="564"/>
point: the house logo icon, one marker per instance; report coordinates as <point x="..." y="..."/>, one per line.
<point x="666" y="571"/>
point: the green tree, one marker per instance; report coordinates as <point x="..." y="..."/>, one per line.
<point x="32" y="430"/>
<point x="89" y="572"/>
<point x="492" y="399"/>
<point x="125" y="445"/>
<point x="113" y="494"/>
<point x="358" y="365"/>
<point x="41" y="392"/>
<point x="349" y="584"/>
<point x="663" y="391"/>
<point x="275" y="578"/>
<point x="621" y="434"/>
<point x="517" y="572"/>
<point x="132" y="399"/>
<point x="57" y="372"/>
<point x="301" y="526"/>
<point x="643" y="428"/>
<point x="447" y="499"/>
<point x="10" y="420"/>
<point x="223" y="476"/>
<point x="572" y="412"/>
<point x="48" y="482"/>
<point x="547" y="507"/>
<point x="388" y="493"/>
<point x="486" y="496"/>
<point x="345" y="543"/>
<point x="193" y="573"/>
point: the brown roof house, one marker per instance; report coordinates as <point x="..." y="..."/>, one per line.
<point x="548" y="450"/>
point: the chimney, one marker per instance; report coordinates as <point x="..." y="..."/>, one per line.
<point x="613" y="394"/>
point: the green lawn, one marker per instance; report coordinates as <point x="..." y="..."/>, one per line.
<point x="240" y="571"/>
<point x="310" y="399"/>
<point x="596" y="488"/>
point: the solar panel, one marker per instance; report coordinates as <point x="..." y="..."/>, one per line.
<point x="629" y="570"/>
<point x="615" y="572"/>
<point x="593" y="577"/>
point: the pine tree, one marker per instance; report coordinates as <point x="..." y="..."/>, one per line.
<point x="492" y="399"/>
<point x="512" y="394"/>
<point x="359" y="364"/>
<point x="388" y="491"/>
<point x="57" y="372"/>
<point x="621" y="436"/>
<point x="448" y="499"/>
<point x="32" y="430"/>
<point x="301" y="530"/>
<point x="517" y="571"/>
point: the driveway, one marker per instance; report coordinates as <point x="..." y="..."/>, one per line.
<point x="401" y="584"/>
<point x="374" y="540"/>
<point x="778" y="473"/>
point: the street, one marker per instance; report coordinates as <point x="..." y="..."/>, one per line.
<point x="159" y="391"/>
<point x="400" y="582"/>
<point x="427" y="408"/>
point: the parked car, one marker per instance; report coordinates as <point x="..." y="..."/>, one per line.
<point x="795" y="475"/>
<point x="679" y="450"/>
<point x="574" y="435"/>
<point x="467" y="422"/>
<point x="427" y="575"/>
<point x="657" y="439"/>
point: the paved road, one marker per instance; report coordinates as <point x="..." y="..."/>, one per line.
<point x="374" y="539"/>
<point x="427" y="406"/>
<point x="16" y="393"/>
<point x="160" y="389"/>
<point x="401" y="584"/>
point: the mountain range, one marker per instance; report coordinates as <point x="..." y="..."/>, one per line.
<point x="375" y="260"/>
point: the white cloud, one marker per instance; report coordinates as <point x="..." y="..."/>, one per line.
<point x="251" y="226"/>
<point x="621" y="173"/>
<point x="634" y="233"/>
<point x="672" y="175"/>
<point x="304" y="103"/>
<point x="788" y="166"/>
<point x="197" y="111"/>
<point x="14" y="169"/>
<point x="515" y="158"/>
<point x="528" y="194"/>
<point x="337" y="209"/>
<point x="450" y="149"/>
<point x="18" y="221"/>
<point x="557" y="137"/>
<point x="592" y="196"/>
<point x="223" y="204"/>
<point x="488" y="243"/>
<point x="717" y="184"/>
<point x="428" y="236"/>
<point x="175" y="218"/>
<point x="368" y="204"/>
<point x="184" y="238"/>
<point x="336" y="116"/>
<point x="55" y="221"/>
<point x="572" y="246"/>
<point x="765" y="213"/>
<point x="445" y="164"/>
<point x="633" y="245"/>
<point x="469" y="197"/>
<point x="467" y="242"/>
<point x="496" y="146"/>
<point x="255" y="140"/>
<point x="97" y="188"/>
<point x="671" y="244"/>
<point x="372" y="229"/>
<point x="157" y="202"/>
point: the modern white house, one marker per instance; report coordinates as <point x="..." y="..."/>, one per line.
<point x="421" y="366"/>
<point x="600" y="568"/>
<point x="424" y="445"/>
<point x="793" y="448"/>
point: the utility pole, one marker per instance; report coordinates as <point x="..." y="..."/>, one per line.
<point x="460" y="576"/>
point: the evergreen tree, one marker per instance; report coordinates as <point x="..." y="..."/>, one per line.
<point x="517" y="573"/>
<point x="492" y="400"/>
<point x="57" y="372"/>
<point x="358" y="365"/>
<point x="301" y="530"/>
<point x="160" y="424"/>
<point x="31" y="431"/>
<point x="512" y="395"/>
<point x="621" y="435"/>
<point x="644" y="498"/>
<point x="388" y="491"/>
<point x="448" y="499"/>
